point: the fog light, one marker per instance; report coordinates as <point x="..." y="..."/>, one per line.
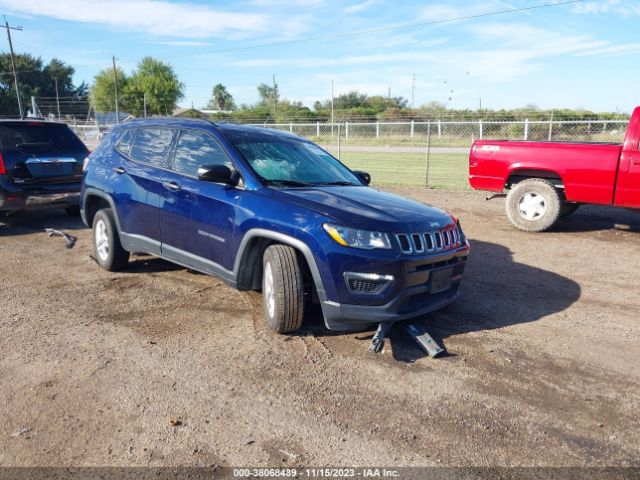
<point x="367" y="283"/>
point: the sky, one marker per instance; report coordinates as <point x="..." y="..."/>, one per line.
<point x="580" y="55"/>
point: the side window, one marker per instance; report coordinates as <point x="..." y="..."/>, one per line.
<point x="196" y="148"/>
<point x="124" y="144"/>
<point x="152" y="146"/>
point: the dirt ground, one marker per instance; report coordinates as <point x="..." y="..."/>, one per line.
<point x="161" y="366"/>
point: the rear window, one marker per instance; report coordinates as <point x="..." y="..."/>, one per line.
<point x="152" y="146"/>
<point x="39" y="136"/>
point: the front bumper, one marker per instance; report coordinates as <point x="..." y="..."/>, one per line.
<point x="413" y="300"/>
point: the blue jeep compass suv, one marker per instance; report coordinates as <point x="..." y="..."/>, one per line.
<point x="264" y="209"/>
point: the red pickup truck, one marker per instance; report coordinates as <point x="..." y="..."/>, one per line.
<point x="548" y="180"/>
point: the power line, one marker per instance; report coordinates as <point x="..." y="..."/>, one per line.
<point x="378" y="29"/>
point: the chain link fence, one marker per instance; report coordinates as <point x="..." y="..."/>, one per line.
<point x="435" y="154"/>
<point x="431" y="154"/>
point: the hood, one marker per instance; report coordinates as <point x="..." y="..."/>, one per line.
<point x="367" y="208"/>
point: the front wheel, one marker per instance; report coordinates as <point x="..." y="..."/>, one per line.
<point x="533" y="205"/>
<point x="107" y="248"/>
<point x="282" y="289"/>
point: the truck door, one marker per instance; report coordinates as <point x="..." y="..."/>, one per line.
<point x="633" y="179"/>
<point x="628" y="185"/>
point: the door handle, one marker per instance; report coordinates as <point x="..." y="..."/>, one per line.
<point x="171" y="186"/>
<point x="119" y="170"/>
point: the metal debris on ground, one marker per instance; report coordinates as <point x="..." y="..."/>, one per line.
<point x="422" y="337"/>
<point x="22" y="431"/>
<point x="377" y="342"/>
<point x="71" y="240"/>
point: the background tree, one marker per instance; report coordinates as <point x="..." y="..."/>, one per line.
<point x="221" y="99"/>
<point x="268" y="95"/>
<point x="159" y="82"/>
<point x="38" y="80"/>
<point x="102" y="90"/>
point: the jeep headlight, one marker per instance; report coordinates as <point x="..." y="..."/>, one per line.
<point x="352" y="237"/>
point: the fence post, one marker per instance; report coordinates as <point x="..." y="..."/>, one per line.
<point x="550" y="128"/>
<point x="604" y="127"/>
<point x="317" y="129"/>
<point x="480" y="128"/>
<point x="413" y="129"/>
<point x="377" y="129"/>
<point x="526" y="129"/>
<point x="426" y="161"/>
<point x="346" y="130"/>
<point x="439" y="129"/>
<point x="291" y="127"/>
<point x="339" y="140"/>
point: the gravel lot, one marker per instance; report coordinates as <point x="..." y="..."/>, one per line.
<point x="161" y="366"/>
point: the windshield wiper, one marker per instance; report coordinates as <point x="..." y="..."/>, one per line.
<point x="33" y="144"/>
<point x="338" y="183"/>
<point x="287" y="183"/>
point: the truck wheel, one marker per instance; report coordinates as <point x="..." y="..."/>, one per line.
<point x="107" y="248"/>
<point x="568" y="208"/>
<point x="282" y="289"/>
<point x="533" y="205"/>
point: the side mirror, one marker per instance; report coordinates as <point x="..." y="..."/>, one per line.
<point x="364" y="176"/>
<point x="218" y="174"/>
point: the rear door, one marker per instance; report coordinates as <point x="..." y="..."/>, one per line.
<point x="198" y="217"/>
<point x="41" y="153"/>
<point x="144" y="156"/>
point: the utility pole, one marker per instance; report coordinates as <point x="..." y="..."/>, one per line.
<point x="144" y="103"/>
<point x="57" y="98"/>
<point x="275" y="97"/>
<point x="413" y="91"/>
<point x="13" y="63"/>
<point x="115" y="87"/>
<point x="389" y="96"/>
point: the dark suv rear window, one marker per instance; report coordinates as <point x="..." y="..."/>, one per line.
<point x="39" y="136"/>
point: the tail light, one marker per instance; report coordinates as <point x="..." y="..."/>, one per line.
<point x="472" y="157"/>
<point x="3" y="169"/>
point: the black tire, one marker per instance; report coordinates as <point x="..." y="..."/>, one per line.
<point x="73" y="210"/>
<point x="115" y="257"/>
<point x="568" y="208"/>
<point x="284" y="299"/>
<point x="533" y="205"/>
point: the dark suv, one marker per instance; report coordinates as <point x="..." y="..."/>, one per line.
<point x="40" y="165"/>
<point x="264" y="209"/>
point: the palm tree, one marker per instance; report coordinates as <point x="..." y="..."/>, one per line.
<point x="222" y="99"/>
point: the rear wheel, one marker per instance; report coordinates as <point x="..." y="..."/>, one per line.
<point x="107" y="248"/>
<point x="282" y="289"/>
<point x="533" y="205"/>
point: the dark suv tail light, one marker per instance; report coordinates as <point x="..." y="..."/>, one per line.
<point x="3" y="169"/>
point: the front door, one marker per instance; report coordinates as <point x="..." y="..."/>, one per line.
<point x="198" y="217"/>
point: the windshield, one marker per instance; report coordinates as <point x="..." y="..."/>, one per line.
<point x="292" y="162"/>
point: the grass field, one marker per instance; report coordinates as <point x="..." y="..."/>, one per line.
<point x="446" y="170"/>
